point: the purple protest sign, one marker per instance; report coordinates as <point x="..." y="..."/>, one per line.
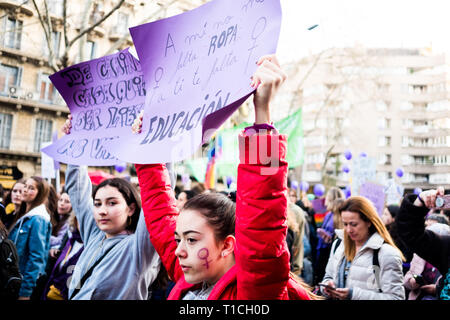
<point x="375" y="193"/>
<point x="104" y="97"/>
<point x="197" y="68"/>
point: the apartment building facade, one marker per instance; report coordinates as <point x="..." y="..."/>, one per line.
<point x="390" y="104"/>
<point x="31" y="110"/>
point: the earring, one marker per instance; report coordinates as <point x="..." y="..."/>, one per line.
<point x="223" y="254"/>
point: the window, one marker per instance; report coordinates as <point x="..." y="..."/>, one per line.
<point x="5" y="130"/>
<point x="384" y="141"/>
<point x="97" y="13"/>
<point x="122" y="23"/>
<point x="9" y="77"/>
<point x="13" y="33"/>
<point x="384" y="159"/>
<point x="90" y="49"/>
<point x="384" y="123"/>
<point x="55" y="43"/>
<point x="43" y="133"/>
<point x="55" y="7"/>
<point x="47" y="89"/>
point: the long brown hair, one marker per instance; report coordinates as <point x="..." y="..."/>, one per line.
<point x="41" y="197"/>
<point x="368" y="213"/>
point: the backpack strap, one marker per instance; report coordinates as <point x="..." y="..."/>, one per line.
<point x="89" y="272"/>
<point x="337" y="243"/>
<point x="376" y="268"/>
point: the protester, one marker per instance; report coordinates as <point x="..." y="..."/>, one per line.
<point x="10" y="277"/>
<point x="388" y="217"/>
<point x="436" y="218"/>
<point x="297" y="223"/>
<point x="12" y="203"/>
<point x="118" y="261"/>
<point x="184" y="196"/>
<point x="431" y="247"/>
<point x="422" y="278"/>
<point x="30" y="231"/>
<point x="202" y="260"/>
<point x="353" y="271"/>
<point x="326" y="232"/>
<point x="310" y="230"/>
<point x="67" y="256"/>
<point x="63" y="210"/>
<point x="293" y="195"/>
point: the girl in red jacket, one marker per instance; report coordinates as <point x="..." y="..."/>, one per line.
<point x="214" y="249"/>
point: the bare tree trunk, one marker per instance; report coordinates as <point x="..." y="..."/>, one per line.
<point x="84" y="23"/>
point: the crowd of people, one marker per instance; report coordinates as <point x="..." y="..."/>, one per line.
<point x="113" y="241"/>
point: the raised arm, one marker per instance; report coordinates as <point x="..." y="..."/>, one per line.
<point x="160" y="211"/>
<point x="262" y="256"/>
<point x="79" y="187"/>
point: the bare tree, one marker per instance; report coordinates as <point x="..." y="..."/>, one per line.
<point x="326" y="107"/>
<point x="44" y="19"/>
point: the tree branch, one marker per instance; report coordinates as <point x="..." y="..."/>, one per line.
<point x="120" y="41"/>
<point x="89" y="29"/>
<point x="48" y="34"/>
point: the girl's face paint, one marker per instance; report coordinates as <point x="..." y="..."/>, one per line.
<point x="203" y="254"/>
<point x="197" y="251"/>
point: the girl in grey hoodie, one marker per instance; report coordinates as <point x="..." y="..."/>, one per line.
<point x="118" y="252"/>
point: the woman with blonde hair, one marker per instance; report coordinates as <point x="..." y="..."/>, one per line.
<point x="365" y="264"/>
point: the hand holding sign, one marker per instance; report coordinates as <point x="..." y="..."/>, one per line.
<point x="104" y="97"/>
<point x="267" y="80"/>
<point x="196" y="68"/>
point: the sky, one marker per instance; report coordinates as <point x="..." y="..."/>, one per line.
<point x="373" y="23"/>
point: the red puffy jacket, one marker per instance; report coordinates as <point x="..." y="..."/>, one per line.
<point x="262" y="257"/>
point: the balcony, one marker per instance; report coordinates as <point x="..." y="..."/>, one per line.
<point x="20" y="98"/>
<point x="17" y="6"/>
<point x="22" y="56"/>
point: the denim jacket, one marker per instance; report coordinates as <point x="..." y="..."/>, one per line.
<point x="31" y="235"/>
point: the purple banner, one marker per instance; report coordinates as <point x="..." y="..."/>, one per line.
<point x="104" y="97"/>
<point x="197" y="68"/>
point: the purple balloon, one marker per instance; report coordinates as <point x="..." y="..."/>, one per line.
<point x="417" y="191"/>
<point x="294" y="184"/>
<point x="347" y="192"/>
<point x="399" y="172"/>
<point x="304" y="186"/>
<point x="348" y="154"/>
<point x="345" y="168"/>
<point x="363" y="154"/>
<point x="229" y="181"/>
<point x="319" y="190"/>
<point x="120" y="167"/>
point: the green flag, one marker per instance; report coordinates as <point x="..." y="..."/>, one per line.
<point x="227" y="163"/>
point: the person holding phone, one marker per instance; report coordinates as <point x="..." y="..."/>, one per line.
<point x="430" y="246"/>
<point x="352" y="272"/>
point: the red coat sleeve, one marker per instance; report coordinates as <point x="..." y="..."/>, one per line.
<point x="262" y="256"/>
<point x="160" y="211"/>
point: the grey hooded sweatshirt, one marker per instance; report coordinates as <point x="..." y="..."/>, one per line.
<point x="128" y="270"/>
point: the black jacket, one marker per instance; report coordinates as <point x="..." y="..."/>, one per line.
<point x="429" y="246"/>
